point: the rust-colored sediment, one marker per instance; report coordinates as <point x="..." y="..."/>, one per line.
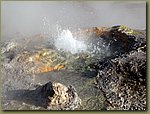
<point x="49" y="68"/>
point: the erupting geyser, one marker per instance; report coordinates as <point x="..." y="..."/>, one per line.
<point x="67" y="42"/>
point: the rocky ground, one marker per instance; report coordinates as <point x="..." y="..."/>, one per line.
<point x="111" y="76"/>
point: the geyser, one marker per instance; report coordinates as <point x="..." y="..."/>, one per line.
<point x="66" y="42"/>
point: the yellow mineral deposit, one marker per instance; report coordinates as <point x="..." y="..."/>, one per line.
<point x="58" y="67"/>
<point x="34" y="58"/>
<point x="45" y="61"/>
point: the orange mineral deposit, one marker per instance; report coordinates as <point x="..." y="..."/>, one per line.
<point x="48" y="68"/>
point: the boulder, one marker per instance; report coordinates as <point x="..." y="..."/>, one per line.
<point x="59" y="97"/>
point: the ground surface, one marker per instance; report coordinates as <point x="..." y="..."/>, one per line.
<point x="95" y="85"/>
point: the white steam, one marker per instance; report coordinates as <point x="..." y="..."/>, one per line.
<point x="66" y="42"/>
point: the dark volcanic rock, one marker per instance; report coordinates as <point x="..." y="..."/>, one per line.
<point x="122" y="76"/>
<point x="112" y="41"/>
<point x="123" y="81"/>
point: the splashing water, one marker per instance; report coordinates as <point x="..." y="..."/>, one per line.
<point x="67" y="42"/>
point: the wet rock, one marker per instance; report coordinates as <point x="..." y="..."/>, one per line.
<point x="90" y="33"/>
<point x="122" y="75"/>
<point x="60" y="97"/>
<point x="123" y="81"/>
<point x="112" y="41"/>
